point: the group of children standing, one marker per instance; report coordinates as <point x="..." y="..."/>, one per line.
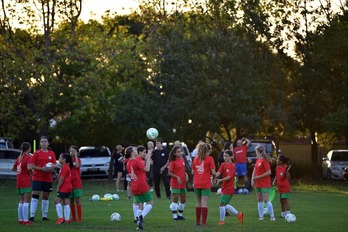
<point x="34" y="176"/>
<point x="204" y="175"/>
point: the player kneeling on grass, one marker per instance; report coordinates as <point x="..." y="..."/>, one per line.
<point x="64" y="189"/>
<point x="227" y="171"/>
<point x="177" y="182"/>
<point x="140" y="189"/>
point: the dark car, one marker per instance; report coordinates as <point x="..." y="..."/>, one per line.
<point x="7" y="159"/>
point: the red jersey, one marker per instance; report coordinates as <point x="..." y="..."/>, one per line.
<point x="202" y="172"/>
<point x="282" y="182"/>
<point x="261" y="166"/>
<point x="240" y="154"/>
<point x="75" y="175"/>
<point x="135" y="169"/>
<point x="177" y="167"/>
<point x="40" y="159"/>
<point x="226" y="169"/>
<point x="66" y="186"/>
<point x="23" y="174"/>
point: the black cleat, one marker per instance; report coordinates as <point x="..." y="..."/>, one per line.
<point x="45" y="219"/>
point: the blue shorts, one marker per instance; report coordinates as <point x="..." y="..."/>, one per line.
<point x="241" y="169"/>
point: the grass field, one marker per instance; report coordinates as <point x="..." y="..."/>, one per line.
<point x="317" y="208"/>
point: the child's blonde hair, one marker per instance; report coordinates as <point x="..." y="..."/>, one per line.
<point x="202" y="150"/>
<point x="260" y="149"/>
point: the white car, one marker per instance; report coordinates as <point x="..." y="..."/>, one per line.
<point x="334" y="164"/>
<point x="95" y="162"/>
<point x="7" y="159"/>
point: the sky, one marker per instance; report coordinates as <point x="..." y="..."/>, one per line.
<point x="96" y="8"/>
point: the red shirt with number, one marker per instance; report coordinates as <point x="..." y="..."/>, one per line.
<point x="40" y="159"/>
<point x="23" y="174"/>
<point x="177" y="167"/>
<point x="240" y="154"/>
<point x="75" y="175"/>
<point x="202" y="172"/>
<point x="137" y="174"/>
<point x="65" y="172"/>
<point x="226" y="169"/>
<point x="261" y="166"/>
<point x="282" y="181"/>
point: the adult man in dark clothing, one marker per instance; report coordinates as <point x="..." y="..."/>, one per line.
<point x="160" y="157"/>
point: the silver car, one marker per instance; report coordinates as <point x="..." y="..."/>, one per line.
<point x="95" y="161"/>
<point x="7" y="159"/>
<point x="334" y="164"/>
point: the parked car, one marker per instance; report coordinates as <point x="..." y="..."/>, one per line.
<point x="334" y="165"/>
<point x="7" y="159"/>
<point x="95" y="161"/>
<point x="6" y="143"/>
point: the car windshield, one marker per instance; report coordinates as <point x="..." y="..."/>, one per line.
<point x="340" y="156"/>
<point x="253" y="145"/>
<point x="93" y="152"/>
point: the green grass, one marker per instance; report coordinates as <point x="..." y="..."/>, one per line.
<point x="317" y="208"/>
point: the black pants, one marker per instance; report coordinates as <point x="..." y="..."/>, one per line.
<point x="157" y="176"/>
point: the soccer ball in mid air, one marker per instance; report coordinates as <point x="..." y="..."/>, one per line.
<point x="152" y="133"/>
<point x="115" y="217"/>
<point x="290" y="218"/>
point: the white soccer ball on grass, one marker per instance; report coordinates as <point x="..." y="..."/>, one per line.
<point x="290" y="218"/>
<point x="115" y="217"/>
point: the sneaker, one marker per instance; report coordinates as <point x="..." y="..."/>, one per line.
<point x="136" y="220"/>
<point x="67" y="221"/>
<point x="181" y="218"/>
<point x="45" y="219"/>
<point x="272" y="219"/>
<point x="176" y="219"/>
<point x="140" y="222"/>
<point x="221" y="223"/>
<point x="240" y="217"/>
<point x="27" y="223"/>
<point x="79" y="220"/>
<point x="198" y="224"/>
<point x="73" y="220"/>
<point x="31" y="219"/>
<point x="261" y="218"/>
<point x="20" y="222"/>
<point x="60" y="221"/>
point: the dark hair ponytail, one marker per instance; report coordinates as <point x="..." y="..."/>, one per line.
<point x="68" y="159"/>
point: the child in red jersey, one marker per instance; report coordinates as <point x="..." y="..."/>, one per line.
<point x="177" y="182"/>
<point x="64" y="188"/>
<point x="140" y="189"/>
<point x="282" y="181"/>
<point x="227" y="171"/>
<point x="42" y="177"/>
<point x="76" y="194"/>
<point x="261" y="180"/>
<point x="23" y="182"/>
<point x="203" y="167"/>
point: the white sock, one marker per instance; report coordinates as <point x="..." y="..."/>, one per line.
<point x="20" y="211"/>
<point x="146" y="210"/>
<point x="44" y="207"/>
<point x="67" y="212"/>
<point x="282" y="214"/>
<point x="270" y="209"/>
<point x="59" y="210"/>
<point x="139" y="211"/>
<point x="287" y="212"/>
<point x="135" y="209"/>
<point x="174" y="207"/>
<point x="33" y="206"/>
<point x="222" y="213"/>
<point x="181" y="208"/>
<point x="232" y="209"/>
<point x="260" y="208"/>
<point x="25" y="211"/>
